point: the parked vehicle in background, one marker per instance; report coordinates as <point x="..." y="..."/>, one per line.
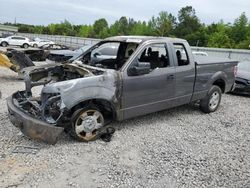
<point x="104" y="52"/>
<point x="147" y="74"/>
<point x="40" y="42"/>
<point x="15" y="41"/>
<point x="41" y="53"/>
<point x="60" y="56"/>
<point x="242" y="82"/>
<point x="54" y="47"/>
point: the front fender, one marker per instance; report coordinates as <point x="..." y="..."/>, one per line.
<point x="105" y="87"/>
<point x="71" y="99"/>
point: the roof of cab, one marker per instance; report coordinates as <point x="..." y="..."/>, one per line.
<point x="142" y="39"/>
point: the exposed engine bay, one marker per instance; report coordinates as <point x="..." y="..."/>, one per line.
<point x="47" y="106"/>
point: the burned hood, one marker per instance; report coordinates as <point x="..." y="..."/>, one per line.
<point x="73" y="82"/>
<point x="56" y="73"/>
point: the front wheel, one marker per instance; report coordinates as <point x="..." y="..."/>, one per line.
<point x="25" y="45"/>
<point x="4" y="44"/>
<point x="212" y="101"/>
<point x="35" y="46"/>
<point x="86" y="122"/>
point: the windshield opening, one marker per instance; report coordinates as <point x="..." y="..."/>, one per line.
<point x="109" y="54"/>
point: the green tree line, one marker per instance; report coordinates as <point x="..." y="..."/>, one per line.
<point x="186" y="25"/>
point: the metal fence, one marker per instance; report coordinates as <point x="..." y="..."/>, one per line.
<point x="241" y="55"/>
<point x="76" y="42"/>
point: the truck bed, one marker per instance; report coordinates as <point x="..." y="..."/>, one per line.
<point x="203" y="60"/>
<point x="208" y="70"/>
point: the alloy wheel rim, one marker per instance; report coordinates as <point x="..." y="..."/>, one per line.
<point x="214" y="100"/>
<point x="88" y="123"/>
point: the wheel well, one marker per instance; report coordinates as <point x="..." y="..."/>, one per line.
<point x="105" y="107"/>
<point x="4" y="42"/>
<point x="221" y="84"/>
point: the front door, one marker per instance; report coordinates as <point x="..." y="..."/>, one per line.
<point x="150" y="92"/>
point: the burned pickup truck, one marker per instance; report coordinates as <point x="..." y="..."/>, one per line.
<point x="148" y="74"/>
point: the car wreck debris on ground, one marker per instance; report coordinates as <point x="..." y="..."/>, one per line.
<point x="25" y="149"/>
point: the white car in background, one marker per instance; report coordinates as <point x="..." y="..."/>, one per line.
<point x="40" y="42"/>
<point x="15" y="41"/>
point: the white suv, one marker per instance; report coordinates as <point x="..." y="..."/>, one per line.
<point x="15" y="41"/>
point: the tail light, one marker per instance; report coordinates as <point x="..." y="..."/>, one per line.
<point x="235" y="71"/>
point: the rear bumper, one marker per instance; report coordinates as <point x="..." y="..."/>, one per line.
<point x="242" y="88"/>
<point x="32" y="127"/>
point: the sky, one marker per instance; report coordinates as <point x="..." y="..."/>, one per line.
<point x="44" y="12"/>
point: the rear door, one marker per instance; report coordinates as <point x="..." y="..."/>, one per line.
<point x="13" y="41"/>
<point x="150" y="92"/>
<point x="185" y="72"/>
<point x="17" y="41"/>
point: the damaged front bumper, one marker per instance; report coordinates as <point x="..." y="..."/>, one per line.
<point x="32" y="127"/>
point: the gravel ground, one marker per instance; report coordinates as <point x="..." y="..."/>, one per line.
<point x="180" y="147"/>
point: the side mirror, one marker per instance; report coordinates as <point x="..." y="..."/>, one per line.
<point x="140" y="69"/>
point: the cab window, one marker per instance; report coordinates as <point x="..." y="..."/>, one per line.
<point x="181" y="54"/>
<point x="156" y="55"/>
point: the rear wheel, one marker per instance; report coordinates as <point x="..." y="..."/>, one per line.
<point x="35" y="45"/>
<point x="212" y="101"/>
<point x="25" y="45"/>
<point x="86" y="122"/>
<point x="4" y="44"/>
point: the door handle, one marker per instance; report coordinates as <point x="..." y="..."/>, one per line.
<point x="170" y="77"/>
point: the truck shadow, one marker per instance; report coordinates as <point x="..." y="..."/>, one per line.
<point x="170" y="114"/>
<point x="239" y="95"/>
<point x="173" y="113"/>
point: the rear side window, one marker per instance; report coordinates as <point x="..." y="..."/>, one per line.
<point x="17" y="38"/>
<point x="181" y="54"/>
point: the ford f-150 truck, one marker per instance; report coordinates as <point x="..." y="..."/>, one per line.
<point x="148" y="74"/>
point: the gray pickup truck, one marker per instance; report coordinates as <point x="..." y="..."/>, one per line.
<point x="147" y="74"/>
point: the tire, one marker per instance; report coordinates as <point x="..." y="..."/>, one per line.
<point x="25" y="45"/>
<point x="212" y="100"/>
<point x="35" y="46"/>
<point x="85" y="123"/>
<point x="4" y="44"/>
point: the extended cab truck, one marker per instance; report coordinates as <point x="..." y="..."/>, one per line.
<point x="148" y="74"/>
